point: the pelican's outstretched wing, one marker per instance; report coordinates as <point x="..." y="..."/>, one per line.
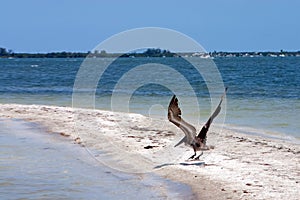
<point x="202" y="133"/>
<point x="174" y="116"/>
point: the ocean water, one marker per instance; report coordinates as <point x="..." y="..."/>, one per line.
<point x="263" y="95"/>
<point x="37" y="165"/>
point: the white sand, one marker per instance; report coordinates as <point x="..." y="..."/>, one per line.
<point x="240" y="167"/>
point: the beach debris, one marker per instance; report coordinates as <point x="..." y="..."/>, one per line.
<point x="197" y="142"/>
<point x="64" y="134"/>
<point x="77" y="140"/>
<point x="149" y="147"/>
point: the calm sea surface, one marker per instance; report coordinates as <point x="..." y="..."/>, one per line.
<point x="263" y="95"/>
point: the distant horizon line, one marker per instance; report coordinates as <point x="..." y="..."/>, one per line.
<point x="223" y="51"/>
<point x="205" y="51"/>
<point x="149" y="52"/>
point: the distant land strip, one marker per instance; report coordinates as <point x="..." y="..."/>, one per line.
<point x="151" y="52"/>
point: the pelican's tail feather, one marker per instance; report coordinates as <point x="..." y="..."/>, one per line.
<point x="181" y="141"/>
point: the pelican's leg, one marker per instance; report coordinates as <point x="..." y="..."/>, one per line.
<point x="192" y="157"/>
<point x="197" y="158"/>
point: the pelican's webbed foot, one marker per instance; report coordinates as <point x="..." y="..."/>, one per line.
<point x="192" y="157"/>
<point x="197" y="158"/>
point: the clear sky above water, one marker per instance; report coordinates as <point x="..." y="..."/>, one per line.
<point x="78" y="25"/>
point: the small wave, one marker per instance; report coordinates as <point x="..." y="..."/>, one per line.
<point x="36" y="90"/>
<point x="262" y="133"/>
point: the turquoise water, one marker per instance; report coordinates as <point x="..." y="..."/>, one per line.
<point x="263" y="95"/>
<point x="37" y="165"/>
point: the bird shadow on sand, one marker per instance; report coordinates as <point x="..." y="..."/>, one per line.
<point x="164" y="165"/>
<point x="188" y="163"/>
<point x="198" y="163"/>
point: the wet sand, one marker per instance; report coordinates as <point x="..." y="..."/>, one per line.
<point x="241" y="166"/>
<point x="37" y="165"/>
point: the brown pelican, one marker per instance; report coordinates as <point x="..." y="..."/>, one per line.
<point x="197" y="142"/>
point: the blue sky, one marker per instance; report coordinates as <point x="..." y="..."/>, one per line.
<point x="231" y="25"/>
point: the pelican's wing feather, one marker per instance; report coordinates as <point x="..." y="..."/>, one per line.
<point x="204" y="130"/>
<point x="174" y="116"/>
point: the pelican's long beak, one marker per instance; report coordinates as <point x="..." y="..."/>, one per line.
<point x="181" y="141"/>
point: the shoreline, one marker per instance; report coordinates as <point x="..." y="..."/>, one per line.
<point x="270" y="135"/>
<point x="24" y="143"/>
<point x="240" y="167"/>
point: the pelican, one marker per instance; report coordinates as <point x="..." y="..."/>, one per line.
<point x="197" y="142"/>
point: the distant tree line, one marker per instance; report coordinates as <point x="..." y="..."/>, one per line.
<point x="150" y="52"/>
<point x="9" y="53"/>
<point x="4" y="52"/>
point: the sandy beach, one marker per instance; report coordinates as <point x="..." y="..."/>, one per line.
<point x="241" y="166"/>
